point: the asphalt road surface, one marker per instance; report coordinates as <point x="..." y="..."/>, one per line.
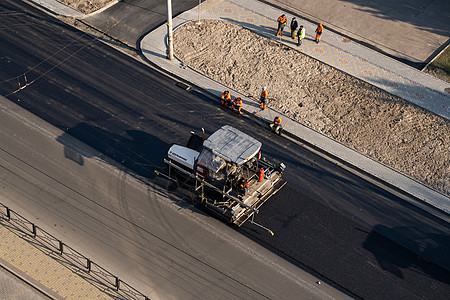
<point x="129" y="21"/>
<point x="161" y="245"/>
<point x="358" y="235"/>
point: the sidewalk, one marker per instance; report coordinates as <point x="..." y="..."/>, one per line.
<point x="24" y="256"/>
<point x="54" y="275"/>
<point x="363" y="63"/>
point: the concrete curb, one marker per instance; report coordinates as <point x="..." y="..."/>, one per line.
<point x="154" y="47"/>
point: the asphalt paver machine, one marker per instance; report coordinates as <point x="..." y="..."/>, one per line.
<point x="227" y="173"/>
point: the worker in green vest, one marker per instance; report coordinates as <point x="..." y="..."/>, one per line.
<point x="300" y="35"/>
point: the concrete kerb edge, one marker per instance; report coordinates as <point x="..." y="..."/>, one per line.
<point x="58" y="8"/>
<point x="353" y="76"/>
<point x="373" y="63"/>
<point x="25" y="278"/>
<point x="106" y="34"/>
<point x="17" y="273"/>
<point x="437" y="55"/>
<point x="263" y="121"/>
<point x="112" y="3"/>
<point x="368" y="47"/>
<point x="354" y="39"/>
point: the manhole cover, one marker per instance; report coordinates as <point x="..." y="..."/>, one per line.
<point x="447" y="90"/>
<point x="346" y="40"/>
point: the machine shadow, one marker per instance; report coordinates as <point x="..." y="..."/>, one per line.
<point x="141" y="154"/>
<point x="136" y="150"/>
<point x="385" y="252"/>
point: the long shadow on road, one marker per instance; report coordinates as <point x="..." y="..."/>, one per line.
<point x="136" y="150"/>
<point x="358" y="259"/>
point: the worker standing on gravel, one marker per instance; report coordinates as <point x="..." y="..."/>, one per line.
<point x="300" y="35"/>
<point x="282" y="20"/>
<point x="319" y="31"/>
<point x="294" y="25"/>
<point x="226" y="98"/>
<point x="263" y="98"/>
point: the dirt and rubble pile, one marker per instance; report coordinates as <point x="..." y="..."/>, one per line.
<point x="86" y="6"/>
<point x="384" y="127"/>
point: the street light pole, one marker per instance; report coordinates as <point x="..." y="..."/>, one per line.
<point x="198" y="11"/>
<point x="169" y="30"/>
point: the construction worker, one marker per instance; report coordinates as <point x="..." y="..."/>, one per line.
<point x="247" y="188"/>
<point x="237" y="104"/>
<point x="226" y="98"/>
<point x="282" y="21"/>
<point x="300" y="35"/>
<point x="263" y="98"/>
<point x="276" y="125"/>
<point x="294" y="25"/>
<point x="319" y="31"/>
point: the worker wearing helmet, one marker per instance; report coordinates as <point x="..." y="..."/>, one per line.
<point x="319" y="31"/>
<point x="276" y="125"/>
<point x="263" y="98"/>
<point x="282" y="20"/>
<point x="226" y="98"/>
<point x="300" y="35"/>
<point x="237" y="104"/>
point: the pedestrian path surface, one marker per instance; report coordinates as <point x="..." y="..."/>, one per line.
<point x="339" y="52"/>
<point x="53" y="274"/>
<point x="356" y="59"/>
<point x="59" y="279"/>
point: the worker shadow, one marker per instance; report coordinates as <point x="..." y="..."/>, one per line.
<point x="136" y="150"/>
<point x="271" y="33"/>
<point x="264" y="30"/>
<point x="394" y="258"/>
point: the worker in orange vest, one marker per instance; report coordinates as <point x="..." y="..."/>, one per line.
<point x="247" y="188"/>
<point x="237" y="104"/>
<point x="276" y="125"/>
<point x="319" y="31"/>
<point x="261" y="175"/>
<point x="226" y="98"/>
<point x="282" y="21"/>
<point x="263" y="98"/>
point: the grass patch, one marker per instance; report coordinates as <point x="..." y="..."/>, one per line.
<point x="443" y="61"/>
<point x="440" y="66"/>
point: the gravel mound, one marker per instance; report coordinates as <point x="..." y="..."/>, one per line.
<point x="382" y="126"/>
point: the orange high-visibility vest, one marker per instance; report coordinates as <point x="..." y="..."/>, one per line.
<point x="277" y="120"/>
<point x="226" y="95"/>
<point x="319" y="29"/>
<point x="282" y="20"/>
<point x="264" y="94"/>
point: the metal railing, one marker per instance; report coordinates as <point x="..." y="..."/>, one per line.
<point x="75" y="258"/>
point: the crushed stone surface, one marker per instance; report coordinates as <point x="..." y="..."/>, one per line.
<point x="382" y="126"/>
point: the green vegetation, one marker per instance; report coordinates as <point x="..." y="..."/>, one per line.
<point x="440" y="66"/>
<point x="443" y="61"/>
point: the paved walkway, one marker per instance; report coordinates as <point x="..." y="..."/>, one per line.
<point x="59" y="278"/>
<point x="341" y="53"/>
<point x="411" y="31"/>
<point x="54" y="275"/>
<point x="366" y="64"/>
